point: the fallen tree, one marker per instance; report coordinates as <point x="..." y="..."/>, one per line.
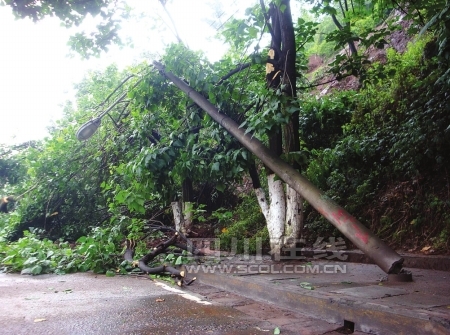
<point x="178" y="240"/>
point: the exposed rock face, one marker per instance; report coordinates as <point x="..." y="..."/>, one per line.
<point x="397" y="40"/>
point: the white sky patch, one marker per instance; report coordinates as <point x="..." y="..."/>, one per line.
<point x="32" y="75"/>
<point x="183" y="294"/>
<point x="37" y="77"/>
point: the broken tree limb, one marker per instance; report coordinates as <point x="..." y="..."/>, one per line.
<point x="142" y="263"/>
<point x="129" y="251"/>
<point x="159" y="249"/>
<point x="188" y="246"/>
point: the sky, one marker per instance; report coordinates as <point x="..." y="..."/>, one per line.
<point x="37" y="76"/>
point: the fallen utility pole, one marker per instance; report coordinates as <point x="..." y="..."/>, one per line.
<point x="386" y="258"/>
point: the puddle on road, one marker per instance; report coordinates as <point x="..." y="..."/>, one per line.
<point x="182" y="294"/>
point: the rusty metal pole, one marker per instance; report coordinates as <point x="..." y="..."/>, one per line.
<point x="386" y="258"/>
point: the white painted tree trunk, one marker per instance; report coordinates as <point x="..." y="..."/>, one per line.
<point x="182" y="215"/>
<point x="277" y="214"/>
<point x="261" y="197"/>
<point x="294" y="218"/>
<point x="284" y="214"/>
<point x="188" y="208"/>
<point x="177" y="214"/>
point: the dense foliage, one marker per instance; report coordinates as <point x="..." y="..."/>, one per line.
<point x="397" y="144"/>
<point x="380" y="151"/>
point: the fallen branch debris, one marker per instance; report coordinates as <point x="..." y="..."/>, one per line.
<point x="161" y="248"/>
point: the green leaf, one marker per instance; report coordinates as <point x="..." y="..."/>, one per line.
<point x="110" y="273"/>
<point x="220" y="187"/>
<point x="306" y="286"/>
<point x="30" y="261"/>
<point x="82" y="239"/>
<point x="37" y="269"/>
<point x="215" y="166"/>
<point x="277" y="331"/>
<point x="26" y="271"/>
<point x="253" y="32"/>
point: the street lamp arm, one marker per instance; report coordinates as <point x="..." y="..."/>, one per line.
<point x="89" y="128"/>
<point x="115" y="90"/>
<point x="119" y="99"/>
<point x="384" y="256"/>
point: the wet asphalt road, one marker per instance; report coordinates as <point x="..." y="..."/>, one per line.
<point x="85" y="303"/>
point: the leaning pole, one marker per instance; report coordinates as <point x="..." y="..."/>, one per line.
<point x="384" y="256"/>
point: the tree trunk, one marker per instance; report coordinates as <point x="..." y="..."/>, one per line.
<point x="283" y="44"/>
<point x="283" y="213"/>
<point x="294" y="218"/>
<point x="277" y="215"/>
<point x="187" y="205"/>
<point x="351" y="44"/>
<point x="182" y="216"/>
<point x="259" y="191"/>
<point x="294" y="202"/>
<point x="183" y="210"/>
<point x="177" y="215"/>
<point x="188" y="208"/>
<point x="275" y="212"/>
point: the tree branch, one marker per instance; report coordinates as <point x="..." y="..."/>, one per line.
<point x="177" y="35"/>
<point x="239" y="68"/>
<point x="267" y="18"/>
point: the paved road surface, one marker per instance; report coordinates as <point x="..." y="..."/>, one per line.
<point x="86" y="303"/>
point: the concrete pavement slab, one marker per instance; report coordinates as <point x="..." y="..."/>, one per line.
<point x="288" y="321"/>
<point x="371" y="292"/>
<point x="361" y="295"/>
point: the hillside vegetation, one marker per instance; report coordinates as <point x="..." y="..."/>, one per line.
<point x="373" y="125"/>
